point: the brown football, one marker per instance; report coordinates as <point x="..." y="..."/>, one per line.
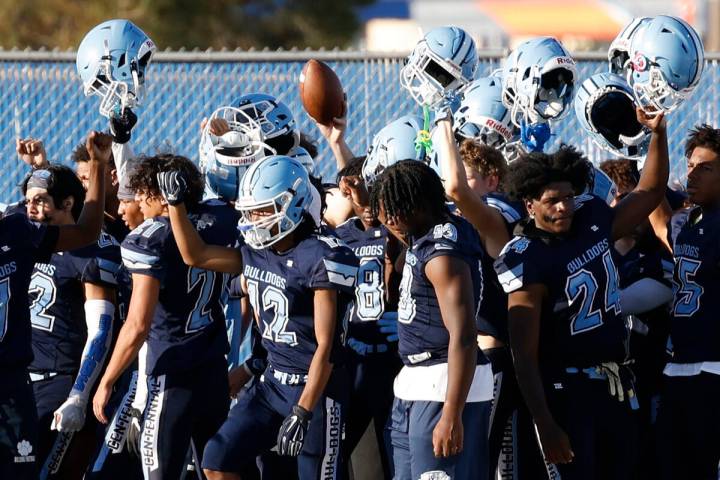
<point x="321" y="92"/>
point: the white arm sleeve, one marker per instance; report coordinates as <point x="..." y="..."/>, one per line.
<point x="99" y="316"/>
<point x="122" y="153"/>
<point x="141" y="393"/>
<point x="644" y="295"/>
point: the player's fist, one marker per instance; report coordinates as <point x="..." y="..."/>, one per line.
<point x="32" y="152"/>
<point x="555" y="443"/>
<point x="70" y="417"/>
<point x="292" y="432"/>
<point x="389" y="327"/>
<point x="121" y="124"/>
<point x="654" y="121"/>
<point x="217" y="127"/>
<point x="173" y="187"/>
<point x="99" y="146"/>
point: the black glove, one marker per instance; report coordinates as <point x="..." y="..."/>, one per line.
<point x="121" y="124"/>
<point x="292" y="432"/>
<point x="173" y="187"/>
<point x="134" y="432"/>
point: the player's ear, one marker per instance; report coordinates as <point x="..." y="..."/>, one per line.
<point x="68" y="204"/>
<point x="529" y="208"/>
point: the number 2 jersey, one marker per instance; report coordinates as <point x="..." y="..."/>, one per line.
<point x="581" y="323"/>
<point x="57" y="308"/>
<point x="370" y="302"/>
<point x="695" y="326"/>
<point x="424" y="339"/>
<point x="281" y="287"/>
<point x="188" y="326"/>
<point x="22" y="244"/>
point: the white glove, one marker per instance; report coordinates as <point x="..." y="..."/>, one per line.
<point x="70" y="417"/>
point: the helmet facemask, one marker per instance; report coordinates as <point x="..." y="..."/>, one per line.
<point x="430" y="78"/>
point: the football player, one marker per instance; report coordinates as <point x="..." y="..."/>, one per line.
<point x="567" y="335"/>
<point x="440" y="415"/>
<point x="178" y="310"/>
<point x="372" y="360"/>
<point x="299" y="285"/>
<point x="72" y="315"/>
<point x="688" y="420"/>
<point x="22" y="244"/>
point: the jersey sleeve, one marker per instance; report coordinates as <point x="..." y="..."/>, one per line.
<point x="516" y="268"/>
<point x="103" y="267"/>
<point x="41" y="238"/>
<point x="335" y="268"/>
<point x="142" y="250"/>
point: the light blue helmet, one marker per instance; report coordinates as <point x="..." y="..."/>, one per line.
<point x="605" y="108"/>
<point x="601" y="186"/>
<point x="667" y="59"/>
<point x="396" y="141"/>
<point x="274" y="117"/>
<point x="303" y="156"/>
<point x="619" y="51"/>
<point x="279" y="185"/>
<point x="112" y="60"/>
<point x="538" y="79"/>
<point x="225" y="158"/>
<point x="482" y="115"/>
<point x="440" y="64"/>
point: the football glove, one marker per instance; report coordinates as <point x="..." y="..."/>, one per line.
<point x="292" y="432"/>
<point x="173" y="187"/>
<point x="70" y="417"/>
<point x="389" y="326"/>
<point x="134" y="432"/>
<point x="535" y="136"/>
<point x="121" y="124"/>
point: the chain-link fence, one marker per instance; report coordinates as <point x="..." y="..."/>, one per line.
<point x="41" y="96"/>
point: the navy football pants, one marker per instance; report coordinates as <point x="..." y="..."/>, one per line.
<point x="18" y="427"/>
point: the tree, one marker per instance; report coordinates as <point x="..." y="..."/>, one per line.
<point x="185" y="23"/>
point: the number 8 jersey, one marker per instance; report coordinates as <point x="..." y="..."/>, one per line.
<point x="581" y="323"/>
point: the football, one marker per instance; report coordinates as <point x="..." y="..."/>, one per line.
<point x="321" y="92"/>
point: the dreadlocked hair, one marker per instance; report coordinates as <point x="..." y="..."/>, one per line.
<point x="533" y="172"/>
<point x="408" y="187"/>
<point x="352" y="169"/>
<point x="144" y="178"/>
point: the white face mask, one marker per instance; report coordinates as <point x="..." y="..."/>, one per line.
<point x="551" y="102"/>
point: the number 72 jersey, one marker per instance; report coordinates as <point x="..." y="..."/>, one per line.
<point x="581" y="323"/>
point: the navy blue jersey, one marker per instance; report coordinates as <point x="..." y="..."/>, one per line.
<point x="188" y="326"/>
<point x="22" y="244"/>
<point x="57" y="308"/>
<point x="370" y="289"/>
<point x="492" y="312"/>
<point x="423" y="336"/>
<point x="581" y="323"/>
<point x="280" y="288"/>
<point x="694" y="328"/>
<point x="639" y="263"/>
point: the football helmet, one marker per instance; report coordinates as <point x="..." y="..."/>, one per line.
<point x="303" y="156"/>
<point x="605" y="108"/>
<point x="112" y="61"/>
<point x="619" y="51"/>
<point x="280" y="186"/>
<point x="225" y="158"/>
<point x="538" y="78"/>
<point x="396" y="141"/>
<point x="482" y="115"/>
<point x="667" y="60"/>
<point x="441" y="63"/>
<point x="275" y="119"/>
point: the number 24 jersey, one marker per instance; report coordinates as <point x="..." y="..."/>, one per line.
<point x="581" y="323"/>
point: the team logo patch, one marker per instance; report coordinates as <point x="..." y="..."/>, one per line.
<point x="447" y="231"/>
<point x="24" y="449"/>
<point x="640" y="62"/>
<point x="521" y="245"/>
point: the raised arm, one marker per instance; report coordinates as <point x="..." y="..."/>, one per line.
<point x="87" y="228"/>
<point x="335" y="136"/>
<point x="486" y="220"/>
<point x="650" y="190"/>
<point x="193" y="249"/>
<point x="451" y="279"/>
